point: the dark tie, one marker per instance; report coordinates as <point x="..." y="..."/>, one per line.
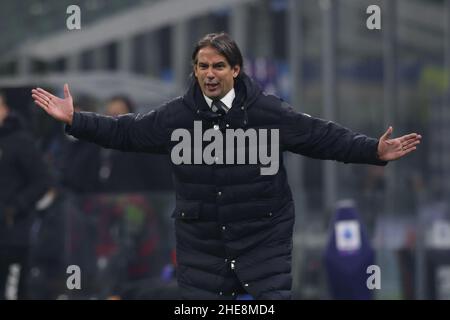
<point x="219" y="107"/>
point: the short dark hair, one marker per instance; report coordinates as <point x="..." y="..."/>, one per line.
<point x="224" y="44"/>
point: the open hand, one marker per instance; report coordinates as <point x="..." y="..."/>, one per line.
<point x="60" y="109"/>
<point x="393" y="149"/>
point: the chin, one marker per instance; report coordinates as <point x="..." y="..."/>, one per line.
<point x="212" y="95"/>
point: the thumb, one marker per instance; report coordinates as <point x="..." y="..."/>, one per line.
<point x="387" y="134"/>
<point x="66" y="91"/>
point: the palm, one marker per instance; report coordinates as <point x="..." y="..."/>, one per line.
<point x="393" y="149"/>
<point x="60" y="109"/>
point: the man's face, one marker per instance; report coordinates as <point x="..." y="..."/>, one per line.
<point x="214" y="74"/>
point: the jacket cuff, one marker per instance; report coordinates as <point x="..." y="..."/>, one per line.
<point x="72" y="129"/>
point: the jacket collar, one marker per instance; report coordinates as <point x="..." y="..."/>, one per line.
<point x="246" y="90"/>
<point x="227" y="100"/>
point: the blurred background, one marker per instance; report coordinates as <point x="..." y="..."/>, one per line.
<point x="109" y="212"/>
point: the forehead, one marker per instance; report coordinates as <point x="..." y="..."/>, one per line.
<point x="210" y="55"/>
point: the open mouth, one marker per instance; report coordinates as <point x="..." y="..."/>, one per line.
<point x="212" y="86"/>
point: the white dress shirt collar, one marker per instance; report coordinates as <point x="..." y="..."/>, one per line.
<point x="227" y="99"/>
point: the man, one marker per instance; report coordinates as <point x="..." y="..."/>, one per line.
<point x="23" y="181"/>
<point x="233" y="221"/>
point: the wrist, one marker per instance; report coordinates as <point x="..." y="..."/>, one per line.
<point x="70" y="120"/>
<point x="378" y="152"/>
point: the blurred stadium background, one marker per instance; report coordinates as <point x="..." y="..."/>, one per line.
<point x="317" y="55"/>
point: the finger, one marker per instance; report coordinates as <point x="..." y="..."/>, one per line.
<point x="408" y="137"/>
<point x="405" y="152"/>
<point x="46" y="93"/>
<point x="40" y="99"/>
<point x="410" y="145"/>
<point x="412" y="140"/>
<point x="416" y="138"/>
<point x="387" y="134"/>
<point x="41" y="96"/>
<point x="42" y="105"/>
<point x="66" y="91"/>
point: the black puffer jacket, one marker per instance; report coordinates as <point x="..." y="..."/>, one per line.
<point x="233" y="225"/>
<point x="23" y="181"/>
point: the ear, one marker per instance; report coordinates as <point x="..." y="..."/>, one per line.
<point x="236" y="70"/>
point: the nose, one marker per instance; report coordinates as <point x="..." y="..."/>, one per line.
<point x="210" y="74"/>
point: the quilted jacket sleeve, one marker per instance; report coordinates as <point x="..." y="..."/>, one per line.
<point x="129" y="132"/>
<point x="321" y="139"/>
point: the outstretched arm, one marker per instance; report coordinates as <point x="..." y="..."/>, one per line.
<point x="321" y="139"/>
<point x="393" y="149"/>
<point x="130" y="132"/>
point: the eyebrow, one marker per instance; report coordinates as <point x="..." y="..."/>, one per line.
<point x="217" y="64"/>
